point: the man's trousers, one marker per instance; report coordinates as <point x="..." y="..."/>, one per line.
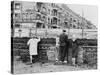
<point x="63" y="53"/>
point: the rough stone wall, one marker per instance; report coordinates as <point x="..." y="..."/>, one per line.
<point x="90" y="55"/>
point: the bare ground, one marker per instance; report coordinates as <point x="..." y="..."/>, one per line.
<point x="24" y="68"/>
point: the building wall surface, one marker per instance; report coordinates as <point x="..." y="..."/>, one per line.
<point x="30" y="15"/>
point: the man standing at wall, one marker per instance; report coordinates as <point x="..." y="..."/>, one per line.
<point x="63" y="46"/>
<point x="75" y="50"/>
<point x="33" y="47"/>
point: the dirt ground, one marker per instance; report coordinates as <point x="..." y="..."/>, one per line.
<point x="25" y="68"/>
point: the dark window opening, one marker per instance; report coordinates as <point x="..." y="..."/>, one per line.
<point x="48" y="20"/>
<point x="54" y="20"/>
<point x="71" y="19"/>
<point x="70" y="25"/>
<point x="39" y="25"/>
<point x="17" y="25"/>
<point x="49" y="11"/>
<point x="66" y="24"/>
<point x="54" y="27"/>
<point x="43" y="18"/>
<point x="74" y="26"/>
<point x="54" y="12"/>
<point x="38" y="16"/>
<point x="74" y="20"/>
<point x="43" y="26"/>
<point x="38" y="10"/>
<point x="17" y="15"/>
<point x="51" y="21"/>
<point x="39" y="4"/>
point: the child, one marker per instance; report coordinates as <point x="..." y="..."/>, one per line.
<point x="33" y="47"/>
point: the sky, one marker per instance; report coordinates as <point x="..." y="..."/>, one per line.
<point x="90" y="12"/>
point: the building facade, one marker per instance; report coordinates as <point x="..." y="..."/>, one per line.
<point x="35" y="15"/>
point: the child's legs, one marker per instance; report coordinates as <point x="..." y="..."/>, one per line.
<point x="31" y="58"/>
<point x="35" y="58"/>
<point x="56" y="53"/>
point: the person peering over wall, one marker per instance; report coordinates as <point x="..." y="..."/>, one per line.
<point x="74" y="50"/>
<point x="77" y="52"/>
<point x="57" y="48"/>
<point x="33" y="44"/>
<point x="70" y="46"/>
<point x="63" y="47"/>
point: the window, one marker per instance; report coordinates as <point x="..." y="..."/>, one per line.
<point x="43" y="26"/>
<point x="17" y="15"/>
<point x="74" y="20"/>
<point x="28" y="16"/>
<point x="51" y="21"/>
<point x="67" y="14"/>
<point x="71" y="19"/>
<point x="58" y="21"/>
<point x="55" y="12"/>
<point x="66" y="24"/>
<point x="52" y="4"/>
<point x="49" y="11"/>
<point x="38" y="16"/>
<point x="43" y="9"/>
<point x="70" y="25"/>
<point x="48" y="20"/>
<point x="74" y="26"/>
<point x="17" y="5"/>
<point x="17" y="25"/>
<point x="39" y="25"/>
<point x="33" y="16"/>
<point x="24" y="16"/>
<point x="38" y="10"/>
<point x="43" y="18"/>
<point x="54" y="20"/>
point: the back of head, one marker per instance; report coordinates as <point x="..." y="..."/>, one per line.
<point x="34" y="37"/>
<point x="64" y="31"/>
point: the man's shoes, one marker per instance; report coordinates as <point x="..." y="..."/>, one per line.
<point x="56" y="60"/>
<point x="60" y="61"/>
<point x="65" y="62"/>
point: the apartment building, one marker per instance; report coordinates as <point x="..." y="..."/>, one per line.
<point x="35" y="15"/>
